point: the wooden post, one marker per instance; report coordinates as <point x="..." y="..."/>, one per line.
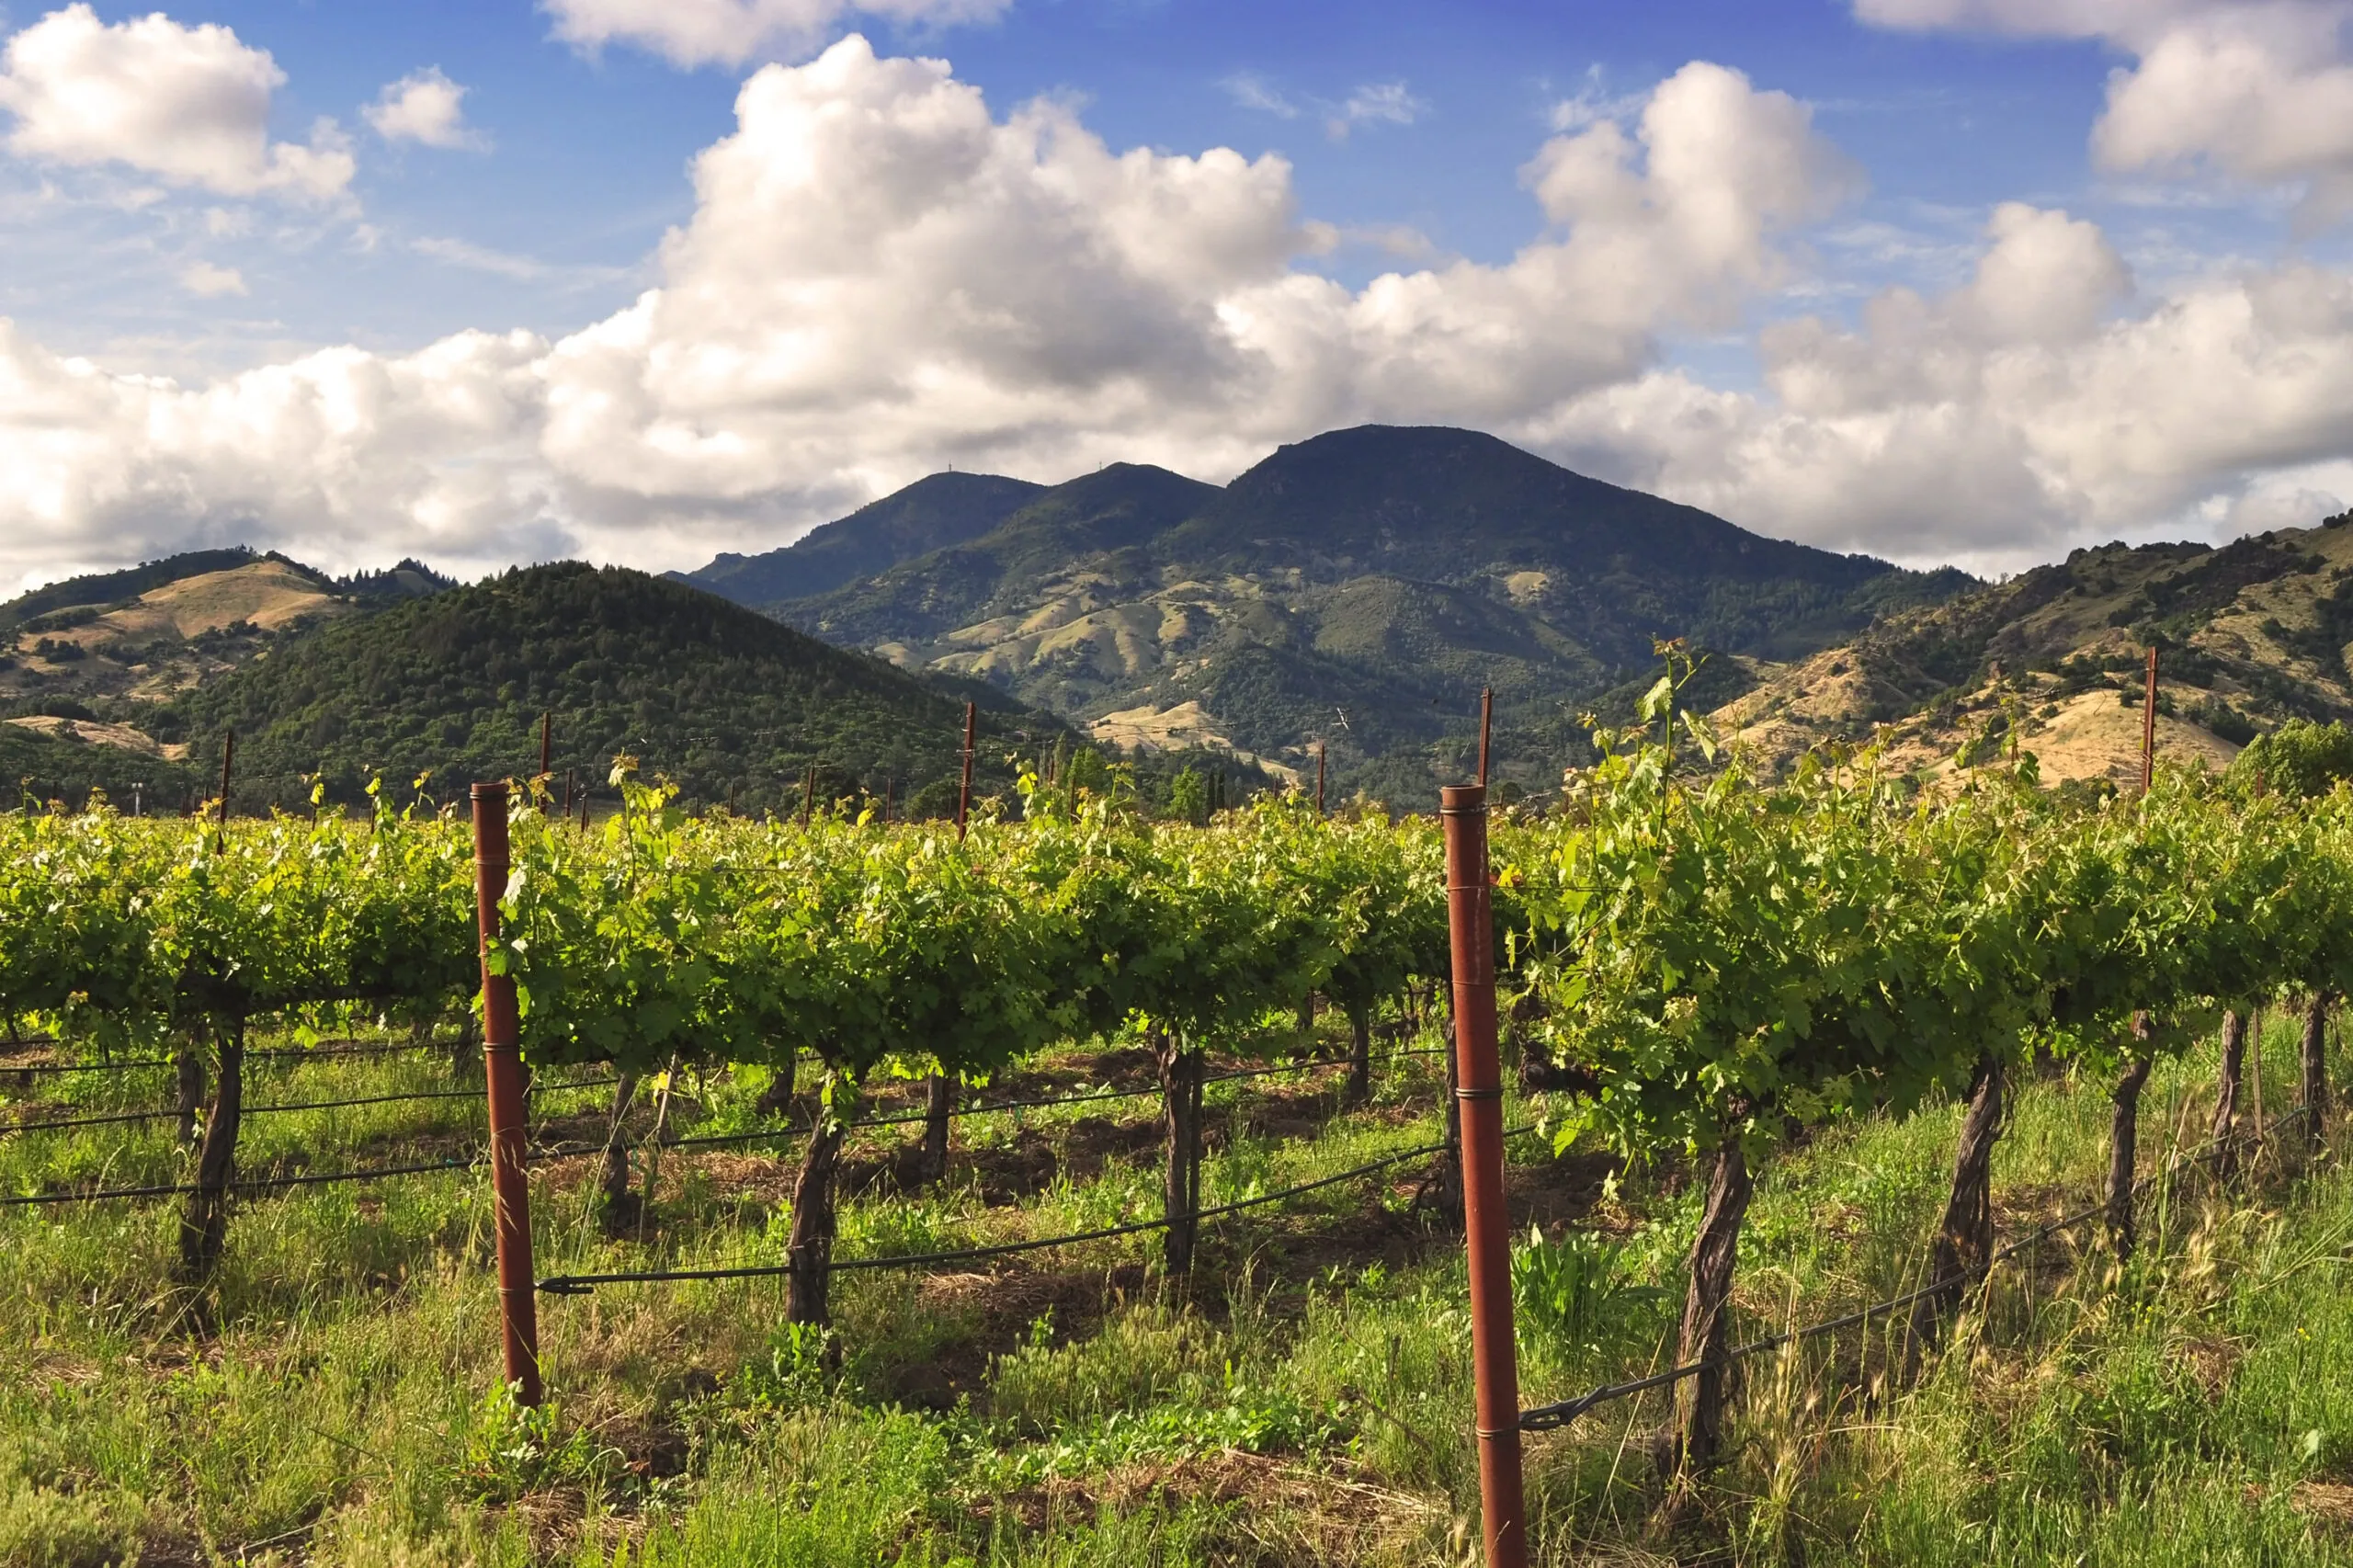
<point x="1479" y="1091"/>
<point x="228" y="755"/>
<point x="1486" y="723"/>
<point x="501" y="1036"/>
<point x="2149" y="726"/>
<point x="547" y="742"/>
<point x="1319" y="778"/>
<point x="964" y="793"/>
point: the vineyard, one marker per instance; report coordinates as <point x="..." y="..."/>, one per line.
<point x="1067" y="1185"/>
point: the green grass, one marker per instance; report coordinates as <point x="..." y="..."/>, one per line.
<point x="1306" y="1399"/>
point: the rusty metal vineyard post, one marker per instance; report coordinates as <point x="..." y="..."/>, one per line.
<point x="1486" y="725"/>
<point x="500" y="1037"/>
<point x="228" y="755"/>
<point x="1479" y="1094"/>
<point x="2149" y="725"/>
<point x="964" y="791"/>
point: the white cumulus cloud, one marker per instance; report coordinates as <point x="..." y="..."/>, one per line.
<point x="2258" y="91"/>
<point x="424" y="107"/>
<point x="729" y="32"/>
<point x="207" y="281"/>
<point x="188" y="105"/>
<point x="2042" y="403"/>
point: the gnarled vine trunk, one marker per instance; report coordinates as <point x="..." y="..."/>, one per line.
<point x="1706" y="1337"/>
<point x="653" y="1142"/>
<point x="465" y="1051"/>
<point x="809" y="1249"/>
<point x="939" y="1104"/>
<point x="2226" y="1093"/>
<point x="617" y="1207"/>
<point x="2315" y="1104"/>
<point x="1359" y="1053"/>
<point x="1964" y="1249"/>
<point x="188" y="1063"/>
<point x="1181" y="1075"/>
<point x="777" y="1098"/>
<point x="204" y="1223"/>
<point x="2123" y="1145"/>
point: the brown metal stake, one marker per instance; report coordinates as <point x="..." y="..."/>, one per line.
<point x="567" y="792"/>
<point x="1479" y="1092"/>
<point x="228" y="755"/>
<point x="1319" y="778"/>
<point x="518" y="1316"/>
<point x="965" y="794"/>
<point x="547" y="741"/>
<point x="2149" y="726"/>
<point x="809" y="795"/>
<point x="1486" y="723"/>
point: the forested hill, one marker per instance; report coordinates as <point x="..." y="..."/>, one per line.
<point x="714" y="696"/>
<point x="1356" y="590"/>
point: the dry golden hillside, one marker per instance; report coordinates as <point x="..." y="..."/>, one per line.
<point x="2248" y="635"/>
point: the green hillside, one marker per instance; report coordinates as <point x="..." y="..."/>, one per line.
<point x="712" y="694"/>
<point x="934" y="513"/>
<point x="1355" y="590"/>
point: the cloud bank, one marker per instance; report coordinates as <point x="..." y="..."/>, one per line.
<point x="883" y="276"/>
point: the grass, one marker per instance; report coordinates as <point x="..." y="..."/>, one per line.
<point x="1304" y="1401"/>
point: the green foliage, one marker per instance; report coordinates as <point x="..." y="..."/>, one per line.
<point x="1575" y="1295"/>
<point x="512" y="1448"/>
<point x="1188" y="798"/>
<point x="2299" y="758"/>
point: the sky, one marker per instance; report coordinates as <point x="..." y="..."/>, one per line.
<point x="1976" y="281"/>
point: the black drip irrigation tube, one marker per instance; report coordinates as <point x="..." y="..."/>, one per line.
<point x="1551" y="1418"/>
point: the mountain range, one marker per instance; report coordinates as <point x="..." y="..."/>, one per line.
<point x="1351" y="593"/>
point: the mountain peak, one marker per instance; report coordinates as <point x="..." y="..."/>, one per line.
<point x="939" y="511"/>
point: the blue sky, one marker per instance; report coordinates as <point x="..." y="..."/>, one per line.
<point x="1969" y="280"/>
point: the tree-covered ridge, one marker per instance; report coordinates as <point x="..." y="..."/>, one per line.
<point x="713" y="695"/>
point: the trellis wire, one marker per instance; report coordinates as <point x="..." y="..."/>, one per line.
<point x="119" y="1118"/>
<point x="545" y="1157"/>
<point x="580" y="1284"/>
<point x="1551" y="1418"/>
